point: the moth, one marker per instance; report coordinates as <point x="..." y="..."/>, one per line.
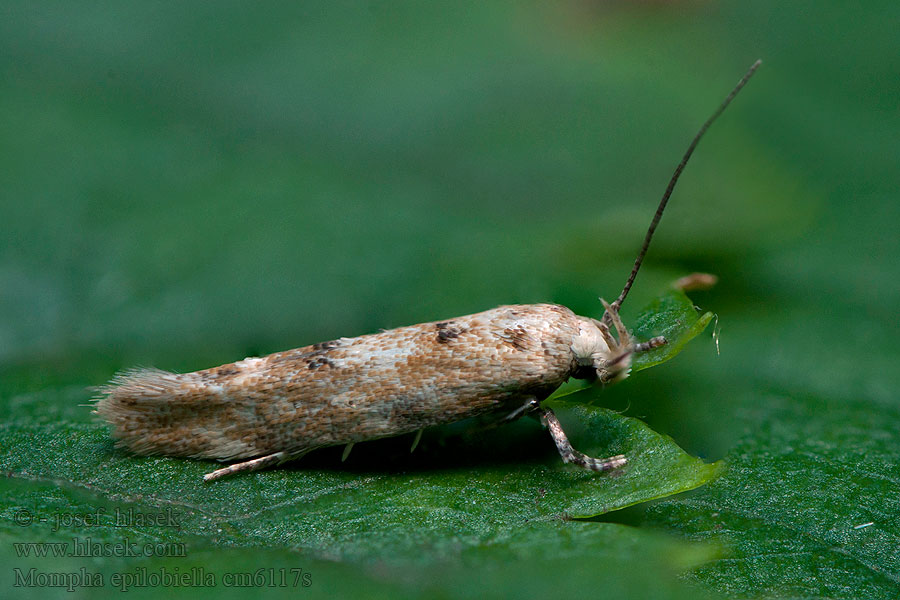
<point x="503" y="362"/>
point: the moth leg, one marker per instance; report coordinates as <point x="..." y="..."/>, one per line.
<point x="530" y="405"/>
<point x="253" y="465"/>
<point x="416" y="441"/>
<point x="607" y="336"/>
<point x="650" y="344"/>
<point x="621" y="330"/>
<point x="347" y="450"/>
<point x="571" y="455"/>
<point x="617" y="367"/>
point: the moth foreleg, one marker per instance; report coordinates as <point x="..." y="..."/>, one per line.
<point x="571" y="455"/>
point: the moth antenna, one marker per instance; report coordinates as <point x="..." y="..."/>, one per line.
<point x="665" y="198"/>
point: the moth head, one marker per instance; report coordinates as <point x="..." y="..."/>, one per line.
<point x="599" y="355"/>
<point x="603" y="357"/>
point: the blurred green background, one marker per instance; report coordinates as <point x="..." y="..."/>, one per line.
<point x="186" y="184"/>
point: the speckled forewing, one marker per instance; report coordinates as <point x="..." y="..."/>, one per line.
<point x="348" y="390"/>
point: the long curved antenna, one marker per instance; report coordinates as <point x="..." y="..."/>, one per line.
<point x="665" y="199"/>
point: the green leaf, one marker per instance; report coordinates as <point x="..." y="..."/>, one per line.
<point x="530" y="561"/>
<point x="655" y="462"/>
<point x="808" y="505"/>
<point x="469" y="492"/>
<point x="673" y="316"/>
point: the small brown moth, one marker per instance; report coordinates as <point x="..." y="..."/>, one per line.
<point x="264" y="411"/>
